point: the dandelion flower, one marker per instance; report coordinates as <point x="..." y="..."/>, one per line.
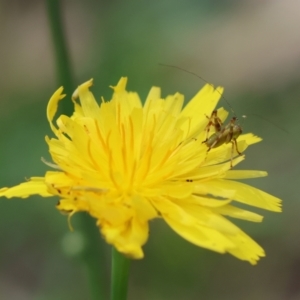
<point x="126" y="163"/>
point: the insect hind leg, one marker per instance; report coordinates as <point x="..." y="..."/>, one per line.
<point x="214" y="121"/>
<point x="234" y="145"/>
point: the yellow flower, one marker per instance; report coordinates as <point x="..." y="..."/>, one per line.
<point x="126" y="163"/>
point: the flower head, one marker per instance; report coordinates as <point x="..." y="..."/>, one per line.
<point x="126" y="163"/>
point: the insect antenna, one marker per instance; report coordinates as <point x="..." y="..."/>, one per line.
<point x="192" y="73"/>
<point x="274" y="124"/>
<point x="223" y="97"/>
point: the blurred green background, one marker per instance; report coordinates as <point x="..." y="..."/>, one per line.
<point x="252" y="48"/>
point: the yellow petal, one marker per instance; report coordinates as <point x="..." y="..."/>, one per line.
<point x="89" y="105"/>
<point x="200" y="235"/>
<point x="128" y="238"/>
<point x="173" y="104"/>
<point x="121" y="86"/>
<point x="143" y="208"/>
<point x="244" y="174"/>
<point x="238" y="213"/>
<point x="201" y="106"/>
<point x="189" y="228"/>
<point x="246" y="248"/>
<point x="36" y="186"/>
<point x="52" y="107"/>
<point x="250" y="138"/>
<point x="71" y="206"/>
<point x="246" y="194"/>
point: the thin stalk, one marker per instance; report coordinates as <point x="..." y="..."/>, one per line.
<point x="62" y="58"/>
<point x="119" y="275"/>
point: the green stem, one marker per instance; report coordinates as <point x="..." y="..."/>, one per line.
<point x="93" y="258"/>
<point x="62" y="57"/>
<point x="119" y="275"/>
<point x="93" y="252"/>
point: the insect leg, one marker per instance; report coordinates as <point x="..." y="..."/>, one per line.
<point x="214" y="121"/>
<point x="236" y="147"/>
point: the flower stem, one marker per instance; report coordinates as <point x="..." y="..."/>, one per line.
<point x="119" y="275"/>
<point x="62" y="58"/>
<point x="93" y="252"/>
<point x="93" y="258"/>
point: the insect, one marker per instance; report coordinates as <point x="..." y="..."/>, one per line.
<point x="223" y="134"/>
